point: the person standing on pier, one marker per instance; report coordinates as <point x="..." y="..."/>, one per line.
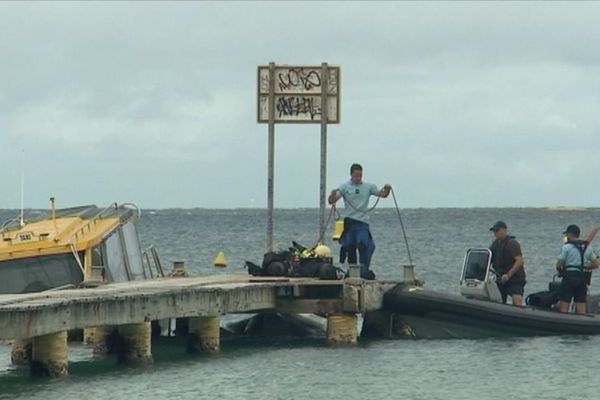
<point x="575" y="255"/>
<point x="356" y="235"/>
<point x="507" y="260"/>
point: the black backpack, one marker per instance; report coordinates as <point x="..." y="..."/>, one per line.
<point x="544" y="299"/>
<point x="275" y="263"/>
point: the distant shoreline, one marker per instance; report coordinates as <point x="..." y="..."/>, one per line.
<point x="544" y="208"/>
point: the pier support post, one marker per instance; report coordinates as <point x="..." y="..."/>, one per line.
<point x="100" y="340"/>
<point x="21" y="352"/>
<point x="342" y="329"/>
<point x="204" y="334"/>
<point x="50" y="355"/>
<point x="88" y="336"/>
<point x="136" y="343"/>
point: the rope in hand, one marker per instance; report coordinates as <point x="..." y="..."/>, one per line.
<point x="349" y="203"/>
<point x="324" y="228"/>
<point x="334" y="211"/>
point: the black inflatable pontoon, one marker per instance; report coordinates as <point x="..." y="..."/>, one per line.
<point x="432" y="314"/>
<point x="478" y="311"/>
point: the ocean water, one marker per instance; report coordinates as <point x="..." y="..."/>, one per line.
<point x="525" y="368"/>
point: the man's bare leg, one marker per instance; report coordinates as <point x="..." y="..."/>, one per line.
<point x="517" y="299"/>
<point x="580" y="308"/>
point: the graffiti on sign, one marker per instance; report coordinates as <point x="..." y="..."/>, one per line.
<point x="298" y="79"/>
<point x="296" y="105"/>
<point x="297" y="93"/>
<point x="298" y="108"/>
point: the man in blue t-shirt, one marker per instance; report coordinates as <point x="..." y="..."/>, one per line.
<point x="574" y="256"/>
<point x="356" y="235"/>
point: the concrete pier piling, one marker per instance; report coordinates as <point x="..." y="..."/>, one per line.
<point x="204" y="334"/>
<point x="100" y="343"/>
<point x="342" y="329"/>
<point x="20" y="354"/>
<point x="50" y="355"/>
<point x="88" y="336"/>
<point x="136" y="343"/>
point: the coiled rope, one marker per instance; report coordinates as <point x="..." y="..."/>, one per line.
<point x="370" y="209"/>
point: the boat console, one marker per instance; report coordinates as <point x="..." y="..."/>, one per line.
<point x="478" y="279"/>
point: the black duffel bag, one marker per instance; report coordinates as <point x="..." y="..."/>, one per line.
<point x="315" y="267"/>
<point x="544" y="299"/>
<point x="275" y="263"/>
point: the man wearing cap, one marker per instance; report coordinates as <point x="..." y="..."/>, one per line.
<point x="574" y="256"/>
<point x="507" y="260"/>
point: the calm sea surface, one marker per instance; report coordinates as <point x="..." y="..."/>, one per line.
<point x="523" y="368"/>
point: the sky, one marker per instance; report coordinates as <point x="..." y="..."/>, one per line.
<point x="455" y="104"/>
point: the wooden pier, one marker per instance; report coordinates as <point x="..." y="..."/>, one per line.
<point x="41" y="320"/>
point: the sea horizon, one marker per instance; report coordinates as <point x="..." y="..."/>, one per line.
<point x="513" y="207"/>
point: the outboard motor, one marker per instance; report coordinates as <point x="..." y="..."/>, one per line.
<point x="477" y="278"/>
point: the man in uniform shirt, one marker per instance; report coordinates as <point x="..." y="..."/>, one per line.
<point x="356" y="235"/>
<point x="574" y="256"/>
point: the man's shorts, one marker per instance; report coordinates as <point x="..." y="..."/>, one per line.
<point x="572" y="287"/>
<point x="511" y="287"/>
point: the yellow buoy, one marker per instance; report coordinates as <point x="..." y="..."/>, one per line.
<point x="220" y="260"/>
<point x="338" y="228"/>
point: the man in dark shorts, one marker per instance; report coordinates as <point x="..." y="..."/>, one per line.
<point x="507" y="261"/>
<point x="574" y="256"/>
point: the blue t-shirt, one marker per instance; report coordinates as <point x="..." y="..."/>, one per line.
<point x="570" y="255"/>
<point x="356" y="199"/>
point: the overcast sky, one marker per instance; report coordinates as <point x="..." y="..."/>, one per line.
<point x="455" y="104"/>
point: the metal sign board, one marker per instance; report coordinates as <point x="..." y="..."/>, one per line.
<point x="298" y="94"/>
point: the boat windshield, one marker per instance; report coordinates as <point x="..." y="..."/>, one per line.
<point x="123" y="257"/>
<point x="476" y="264"/>
<point x="34" y="274"/>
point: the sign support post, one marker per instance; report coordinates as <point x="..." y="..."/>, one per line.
<point x="271" y="162"/>
<point x="323" y="180"/>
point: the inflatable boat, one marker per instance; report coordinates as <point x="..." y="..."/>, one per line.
<point x="478" y="310"/>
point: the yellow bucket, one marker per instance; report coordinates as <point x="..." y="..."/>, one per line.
<point x="338" y="228"/>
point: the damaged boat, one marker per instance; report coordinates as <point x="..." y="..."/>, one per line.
<point x="74" y="247"/>
<point x="478" y="311"/>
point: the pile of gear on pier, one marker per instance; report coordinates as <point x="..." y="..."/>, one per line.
<point x="297" y="261"/>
